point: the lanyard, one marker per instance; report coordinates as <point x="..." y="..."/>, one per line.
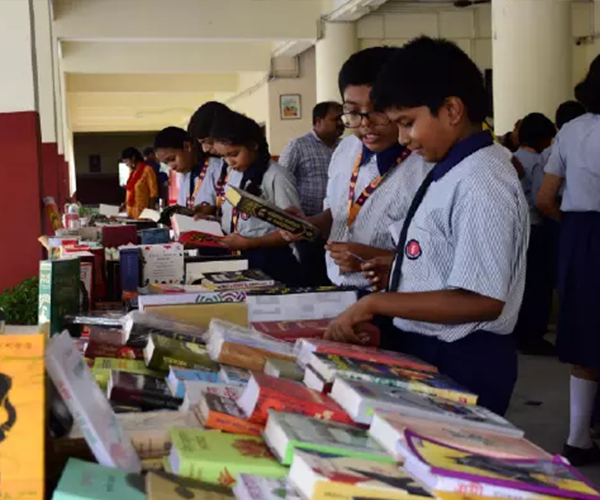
<point x="235" y="213"/>
<point x="199" y="181"/>
<point x="355" y="206"/>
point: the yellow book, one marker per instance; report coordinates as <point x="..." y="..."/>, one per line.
<point x="22" y="417"/>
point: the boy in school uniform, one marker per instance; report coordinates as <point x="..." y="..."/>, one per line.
<point x="457" y="282"/>
<point x="372" y="178"/>
<point x="573" y="165"/>
<point x="198" y="176"/>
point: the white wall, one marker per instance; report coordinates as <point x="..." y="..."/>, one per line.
<point x="253" y="98"/>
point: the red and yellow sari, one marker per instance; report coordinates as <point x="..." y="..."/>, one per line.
<point x="141" y="188"/>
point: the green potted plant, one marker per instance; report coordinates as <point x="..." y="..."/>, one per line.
<point x="19" y="305"/>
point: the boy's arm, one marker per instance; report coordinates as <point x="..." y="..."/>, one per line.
<point x="235" y="241"/>
<point x="323" y="221"/>
<point x="547" y="198"/>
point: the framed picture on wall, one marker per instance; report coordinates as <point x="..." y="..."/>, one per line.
<point x="290" y="107"/>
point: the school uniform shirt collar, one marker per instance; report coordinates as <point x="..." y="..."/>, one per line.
<point x="385" y="160"/>
<point x="462" y="150"/>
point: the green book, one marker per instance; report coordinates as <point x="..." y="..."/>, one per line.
<point x="286" y="432"/>
<point x="90" y="481"/>
<point x="218" y="458"/>
<point x="161" y="353"/>
<point x="103" y="367"/>
<point x="59" y="293"/>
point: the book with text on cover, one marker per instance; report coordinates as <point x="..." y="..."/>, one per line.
<point x="283" y="368"/>
<point x="59" y="292"/>
<point x="251" y="487"/>
<point x="194" y="392"/>
<point x="162" y="352"/>
<point x="146" y="393"/>
<point x="237" y="280"/>
<point x="22" y="416"/>
<point x="222" y="413"/>
<point x="218" y="458"/>
<point x="447" y="468"/>
<point x="178" y="376"/>
<point x="104" y="366"/>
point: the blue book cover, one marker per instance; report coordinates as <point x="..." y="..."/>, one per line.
<point x="91" y="481"/>
<point x="178" y="376"/>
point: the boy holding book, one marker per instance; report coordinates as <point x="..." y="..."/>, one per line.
<point x="456" y="286"/>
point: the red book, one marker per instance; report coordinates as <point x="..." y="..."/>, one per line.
<point x="264" y="393"/>
<point x="96" y="350"/>
<point x="290" y="331"/>
<point x="117" y="236"/>
<point x="304" y="347"/>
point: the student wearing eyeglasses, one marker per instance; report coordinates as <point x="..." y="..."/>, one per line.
<point x="372" y="178"/>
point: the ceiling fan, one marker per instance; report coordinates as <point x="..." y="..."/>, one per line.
<point x="468" y="3"/>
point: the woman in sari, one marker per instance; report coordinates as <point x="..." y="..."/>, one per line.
<point x="142" y="187"/>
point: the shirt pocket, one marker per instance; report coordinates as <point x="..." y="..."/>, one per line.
<point x="417" y="253"/>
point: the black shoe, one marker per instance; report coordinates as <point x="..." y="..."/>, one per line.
<point x="580" y="457"/>
<point x="540" y="348"/>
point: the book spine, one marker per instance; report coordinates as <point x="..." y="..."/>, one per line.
<point x="45" y="295"/>
<point x="162" y="359"/>
<point x="145" y="400"/>
<point x="234" y="425"/>
<point x="450" y="394"/>
<point x="288" y="404"/>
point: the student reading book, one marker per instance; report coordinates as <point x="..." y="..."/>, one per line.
<point x="458" y="278"/>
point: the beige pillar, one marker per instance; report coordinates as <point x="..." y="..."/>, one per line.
<point x="339" y="41"/>
<point x="45" y="69"/>
<point x="532" y="52"/>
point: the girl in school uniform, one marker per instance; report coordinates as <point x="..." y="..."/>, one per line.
<point x="574" y="164"/>
<point x="457" y="281"/>
<point x="240" y="141"/>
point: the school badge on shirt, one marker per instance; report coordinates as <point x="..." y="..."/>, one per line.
<point x="413" y="250"/>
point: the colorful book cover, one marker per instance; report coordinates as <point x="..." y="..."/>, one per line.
<point x="147" y="393"/>
<point x="330" y="366"/>
<point x="251" y="487"/>
<point x="130" y="271"/>
<point x="162" y="352"/>
<point x="325" y="475"/>
<point x="95" y="350"/>
<point x="88" y="405"/>
<point x="388" y="428"/>
<point x="283" y="368"/>
<point x="236" y="280"/>
<point x="162" y="264"/>
<point x="59" y="292"/>
<point x="218" y="458"/>
<point x="186" y="298"/>
<point x="91" y="481"/>
<point x="178" y="376"/>
<point x="165" y="486"/>
<point x="290" y="432"/>
<point x="548" y="477"/>
<point x="194" y="392"/>
<point x="222" y="413"/>
<point x="233" y="375"/>
<point x="104" y="366"/>
<point x="22" y="421"/>
<point x="304" y="348"/>
<point x="290" y="331"/>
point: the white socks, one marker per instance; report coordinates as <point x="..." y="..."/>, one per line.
<point x="583" y="395"/>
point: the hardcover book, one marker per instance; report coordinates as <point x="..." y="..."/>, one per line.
<point x="90" y="481"/>
<point x="361" y="399"/>
<point x="161" y="353"/>
<point x="146" y="393"/>
<point x="286" y="433"/>
<point x="318" y="476"/>
<point x="219" y="458"/>
<point x="264" y="393"/>
<point x="290" y="331"/>
<point x="164" y="486"/>
<point x="222" y="413"/>
<point x="178" y="376"/>
<point x="59" y="292"/>
<point x="330" y="366"/>
<point x="445" y="468"/>
<point x="258" y="207"/>
<point x="88" y="405"/>
<point x="237" y="280"/>
<point x="22" y="416"/>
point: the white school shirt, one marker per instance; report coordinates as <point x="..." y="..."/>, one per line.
<point x="386" y="205"/>
<point x="471" y="232"/>
<point x="207" y="193"/>
<point x="278" y="187"/>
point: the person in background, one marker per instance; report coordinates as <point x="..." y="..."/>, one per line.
<point x="457" y="281"/>
<point x="161" y="177"/>
<point x="535" y="135"/>
<point x="150" y="159"/>
<point x="566" y="112"/>
<point x="574" y="165"/>
<point x="307" y="158"/>
<point x="510" y="140"/>
<point x="198" y="178"/>
<point x="372" y="178"/>
<point x="141" y="187"/>
<point x="240" y="141"/>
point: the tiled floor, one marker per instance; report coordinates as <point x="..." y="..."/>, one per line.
<point x="540" y="405"/>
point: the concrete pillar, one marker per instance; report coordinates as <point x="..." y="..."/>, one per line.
<point x="532" y="52"/>
<point x="339" y="41"/>
<point x="20" y="146"/>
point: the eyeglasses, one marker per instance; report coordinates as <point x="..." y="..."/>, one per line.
<point x="353" y="119"/>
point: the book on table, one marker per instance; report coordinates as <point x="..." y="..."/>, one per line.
<point x="233" y="375"/>
<point x="314" y="381"/>
<point x="183" y="224"/>
<point x="103" y="367"/>
<point x="361" y="399"/>
<point x="217" y="457"/>
<point x="251" y="487"/>
<point x="59" y="292"/>
<point x="222" y="413"/>
<point x="237" y="280"/>
<point x="195" y="390"/>
<point x="161" y="485"/>
<point x="162" y="352"/>
<point x="286" y="433"/>
<point x="178" y="376"/>
<point x="283" y="368"/>
<point x="290" y="331"/>
<point x="146" y="393"/>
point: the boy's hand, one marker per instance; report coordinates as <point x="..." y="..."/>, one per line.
<point x="235" y="241"/>
<point x="377" y="271"/>
<point x="348" y="256"/>
<point x="347" y="326"/>
<point x="287" y="236"/>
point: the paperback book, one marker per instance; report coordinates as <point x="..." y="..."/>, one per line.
<point x="179" y="376"/>
<point x="194" y="391"/>
<point x="162" y="352"/>
<point x="282" y="368"/>
<point x="233" y="375"/>
<point x="104" y="366"/>
<point x="290" y="331"/>
<point x="222" y="413"/>
<point x="146" y="393"/>
<point x="251" y="487"/>
<point x="237" y="280"/>
<point x="59" y="291"/>
<point x="161" y="485"/>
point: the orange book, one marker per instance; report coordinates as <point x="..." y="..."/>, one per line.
<point x="222" y="413"/>
<point x="22" y="417"/>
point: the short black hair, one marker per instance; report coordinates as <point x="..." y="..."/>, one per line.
<point x="427" y="71"/>
<point x="202" y="120"/>
<point x="323" y="108"/>
<point x="589" y="89"/>
<point x="568" y="111"/>
<point x="536" y="130"/>
<point x="363" y="67"/>
<point x="132" y="154"/>
<point x="148" y="151"/>
<point x="171" y="138"/>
